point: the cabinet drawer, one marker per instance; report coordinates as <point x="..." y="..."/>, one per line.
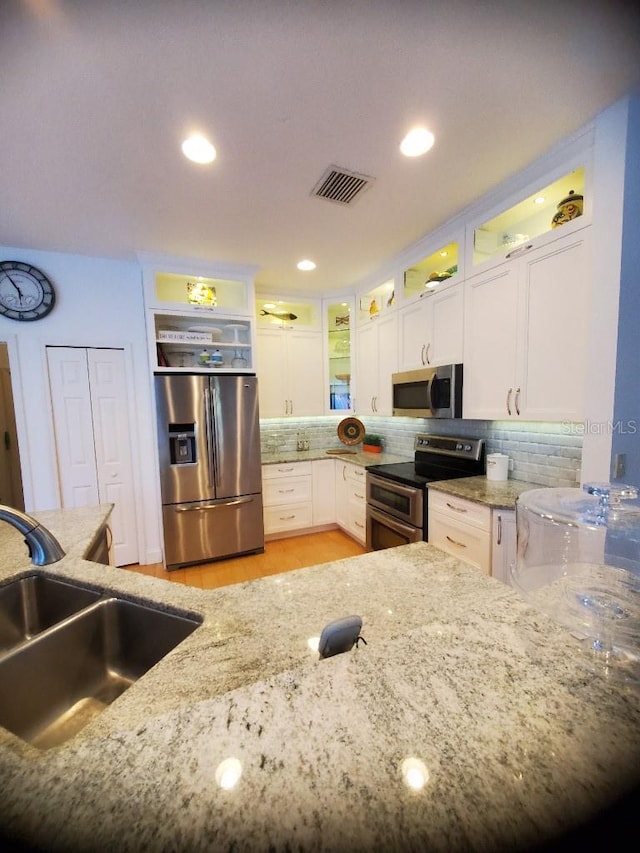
<point x="285" y="469"/>
<point x="464" y="541"/>
<point x="357" y="492"/>
<point x="466" y="511"/>
<point x="352" y="473"/>
<point x="290" y="490"/>
<point x="279" y="518"/>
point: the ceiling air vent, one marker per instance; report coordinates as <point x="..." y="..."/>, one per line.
<point x="341" y="185"/>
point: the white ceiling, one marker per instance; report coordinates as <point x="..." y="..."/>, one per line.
<point x="96" y="97"/>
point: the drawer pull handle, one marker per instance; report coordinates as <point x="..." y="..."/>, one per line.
<point x="285" y="470"/>
<point x="456" y="508"/>
<point x="287" y="517"/>
<point x="356" y="495"/>
<point x="454" y="542"/>
<point x="358" y="524"/>
<point x="285" y="491"/>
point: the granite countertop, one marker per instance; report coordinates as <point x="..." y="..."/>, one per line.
<point x="520" y="740"/>
<point x="499" y="495"/>
<point x="355" y="457"/>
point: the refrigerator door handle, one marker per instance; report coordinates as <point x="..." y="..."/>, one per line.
<point x="231" y="502"/>
<point x="209" y="439"/>
<point x="217" y="420"/>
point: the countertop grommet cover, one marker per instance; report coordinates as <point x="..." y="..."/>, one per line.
<point x="339" y="636"/>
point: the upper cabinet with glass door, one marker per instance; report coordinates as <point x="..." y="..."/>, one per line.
<point x="376" y="301"/>
<point x="545" y="214"/>
<point x="434" y="272"/>
<point x="279" y="312"/>
<point x="338" y="315"/>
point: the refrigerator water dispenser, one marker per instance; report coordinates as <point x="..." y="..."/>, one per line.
<point x="182" y="444"/>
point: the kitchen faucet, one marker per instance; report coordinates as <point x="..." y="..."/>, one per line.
<point x="44" y="548"/>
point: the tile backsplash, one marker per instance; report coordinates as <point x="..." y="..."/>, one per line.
<point x="548" y="454"/>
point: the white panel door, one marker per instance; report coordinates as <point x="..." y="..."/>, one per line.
<point x="112" y="438"/>
<point x="73" y="425"/>
<point x="92" y="433"/>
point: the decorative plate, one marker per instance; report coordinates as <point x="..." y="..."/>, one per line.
<point x="351" y="431"/>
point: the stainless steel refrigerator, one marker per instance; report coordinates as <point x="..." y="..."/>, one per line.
<point x="210" y="468"/>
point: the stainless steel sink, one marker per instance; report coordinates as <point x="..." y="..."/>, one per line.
<point x="54" y="684"/>
<point x="34" y="603"/>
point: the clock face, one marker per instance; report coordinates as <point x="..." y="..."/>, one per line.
<point x="25" y="292"/>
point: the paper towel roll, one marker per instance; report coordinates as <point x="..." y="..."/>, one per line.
<point x="497" y="466"/>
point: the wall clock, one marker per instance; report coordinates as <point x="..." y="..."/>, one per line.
<point x="25" y="292"/>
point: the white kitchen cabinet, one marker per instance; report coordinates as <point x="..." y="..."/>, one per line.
<point x="287" y="497"/>
<point x="351" y="499"/>
<point x="529" y="217"/>
<point x="525" y="335"/>
<point x="324" y="491"/>
<point x="503" y="543"/>
<point x="430" y="330"/>
<point x="195" y="307"/>
<point x="462" y="528"/>
<point x="290" y="368"/>
<point x="377" y="359"/>
<point x="437" y="270"/>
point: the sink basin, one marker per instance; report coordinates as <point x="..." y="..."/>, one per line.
<point x="34" y="603"/>
<point x="53" y="685"/>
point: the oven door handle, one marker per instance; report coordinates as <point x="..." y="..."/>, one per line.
<point x="413" y="534"/>
<point x="390" y="485"/>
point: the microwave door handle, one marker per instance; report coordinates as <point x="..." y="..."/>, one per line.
<point x="430" y="390"/>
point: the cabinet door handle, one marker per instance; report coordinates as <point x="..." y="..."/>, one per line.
<point x="456" y="508"/>
<point x="499" y="537"/>
<point x="520" y="250"/>
<point x="509" y="393"/>
<point x="428" y="348"/>
<point x="290" y="407"/>
<point x="517" y="401"/>
<point x="360" y="497"/>
<point x="454" y="542"/>
<point x="423" y="357"/>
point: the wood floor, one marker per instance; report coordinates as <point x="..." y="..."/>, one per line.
<point x="281" y="555"/>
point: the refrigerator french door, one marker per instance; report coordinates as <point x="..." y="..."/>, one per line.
<point x="210" y="466"/>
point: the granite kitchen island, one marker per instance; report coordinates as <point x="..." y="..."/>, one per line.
<point x="519" y="741"/>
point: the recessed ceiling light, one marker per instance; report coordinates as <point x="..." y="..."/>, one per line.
<point x="306" y="265"/>
<point x="198" y="149"/>
<point x="418" y="141"/>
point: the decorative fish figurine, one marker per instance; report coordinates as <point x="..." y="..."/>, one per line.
<point x="279" y="315"/>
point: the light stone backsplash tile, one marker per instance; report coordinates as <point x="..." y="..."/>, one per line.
<point x="548" y="454"/>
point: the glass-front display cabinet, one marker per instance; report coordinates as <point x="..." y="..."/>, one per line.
<point x="287" y="313"/>
<point x="199" y="315"/>
<point x="338" y="316"/>
<point x="552" y="209"/>
<point x="433" y="272"/>
<point x="376" y="301"/>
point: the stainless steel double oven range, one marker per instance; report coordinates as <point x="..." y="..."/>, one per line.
<point x="397" y="494"/>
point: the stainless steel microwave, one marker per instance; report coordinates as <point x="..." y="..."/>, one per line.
<point x="429" y="392"/>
